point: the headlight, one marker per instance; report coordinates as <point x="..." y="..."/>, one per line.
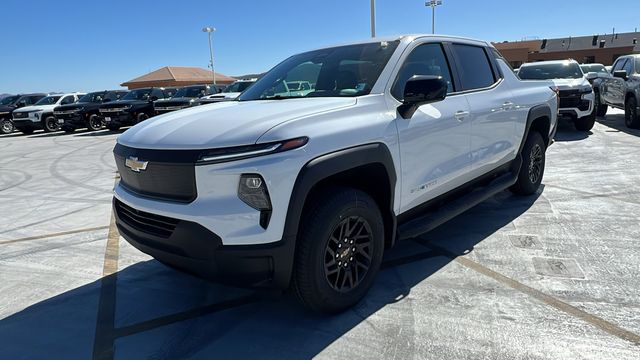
<point x="586" y="89"/>
<point x="252" y="190"/>
<point x="245" y="152"/>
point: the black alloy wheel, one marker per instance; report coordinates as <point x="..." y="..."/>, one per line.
<point x="348" y="254"/>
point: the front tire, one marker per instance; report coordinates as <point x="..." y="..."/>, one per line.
<point x="601" y="109"/>
<point x="585" y="123"/>
<point x="50" y="124"/>
<point x="6" y="126"/>
<point x="94" y="123"/>
<point x="142" y="117"/>
<point x="631" y="118"/>
<point x="532" y="169"/>
<point x="339" y="251"/>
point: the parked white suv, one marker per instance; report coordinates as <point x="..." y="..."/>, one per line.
<point x="229" y="93"/>
<point x="309" y="190"/>
<point x="40" y="115"/>
<point x="574" y="89"/>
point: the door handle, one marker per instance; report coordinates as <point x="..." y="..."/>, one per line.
<point x="460" y="115"/>
<point x="507" y="105"/>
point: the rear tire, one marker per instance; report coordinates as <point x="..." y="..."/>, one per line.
<point x="6" y="126"/>
<point x="532" y="169"/>
<point x="94" y="123"/>
<point x="631" y="118"/>
<point x="50" y="124"/>
<point x="339" y="250"/>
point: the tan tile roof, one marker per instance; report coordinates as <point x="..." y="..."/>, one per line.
<point x="179" y="74"/>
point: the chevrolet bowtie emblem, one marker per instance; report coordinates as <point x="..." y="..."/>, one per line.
<point x="135" y="165"/>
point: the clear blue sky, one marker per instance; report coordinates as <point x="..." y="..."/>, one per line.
<point x="87" y="45"/>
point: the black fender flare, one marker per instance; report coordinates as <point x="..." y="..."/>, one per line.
<point x="537" y="112"/>
<point x="321" y="168"/>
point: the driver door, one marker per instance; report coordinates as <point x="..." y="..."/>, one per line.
<point x="435" y="141"/>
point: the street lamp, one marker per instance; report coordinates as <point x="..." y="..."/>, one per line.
<point x="210" y="31"/>
<point x="373" y="18"/>
<point x="433" y="4"/>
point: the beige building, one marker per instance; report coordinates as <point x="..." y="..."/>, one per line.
<point x="171" y="76"/>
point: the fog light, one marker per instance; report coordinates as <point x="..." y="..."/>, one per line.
<point x="253" y="191"/>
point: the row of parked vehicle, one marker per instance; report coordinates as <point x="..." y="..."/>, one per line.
<point x="588" y="90"/>
<point x="111" y="108"/>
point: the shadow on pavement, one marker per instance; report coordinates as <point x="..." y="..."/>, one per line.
<point x="616" y="122"/>
<point x="103" y="132"/>
<point x="153" y="311"/>
<point x="567" y="132"/>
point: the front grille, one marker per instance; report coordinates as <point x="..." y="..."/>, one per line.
<point x="65" y="112"/>
<point x="170" y="108"/>
<point x="112" y="110"/>
<point x="152" y="224"/>
<point x="166" y="177"/>
<point x="569" y="98"/>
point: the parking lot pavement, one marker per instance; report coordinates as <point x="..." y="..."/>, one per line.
<point x="555" y="275"/>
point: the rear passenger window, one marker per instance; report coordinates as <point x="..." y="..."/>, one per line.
<point x="474" y="67"/>
<point x="427" y="59"/>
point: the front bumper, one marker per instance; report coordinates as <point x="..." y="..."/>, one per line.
<point x="27" y="123"/>
<point x="74" y="120"/>
<point x="117" y="118"/>
<point x="579" y="107"/>
<point x="192" y="248"/>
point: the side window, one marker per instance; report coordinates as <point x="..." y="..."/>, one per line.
<point x="618" y="65"/>
<point x="70" y="99"/>
<point x="426" y="59"/>
<point x="157" y="93"/>
<point x="628" y="66"/>
<point x="474" y="67"/>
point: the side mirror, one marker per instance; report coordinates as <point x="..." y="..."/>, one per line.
<point x="420" y="90"/>
<point x="591" y="76"/>
<point x="622" y="74"/>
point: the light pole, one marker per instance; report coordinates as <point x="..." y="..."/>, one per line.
<point x="210" y="31"/>
<point x="433" y="4"/>
<point x="373" y="18"/>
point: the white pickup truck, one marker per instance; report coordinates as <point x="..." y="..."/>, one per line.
<point x="396" y="136"/>
<point x="40" y="115"/>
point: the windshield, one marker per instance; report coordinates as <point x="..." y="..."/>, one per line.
<point x="139" y="94"/>
<point x="593" y="68"/>
<point x="191" y="92"/>
<point x="92" y="97"/>
<point x="238" y="86"/>
<point x="350" y="70"/>
<point x="567" y="70"/>
<point x="114" y="95"/>
<point x="9" y="100"/>
<point x="49" y="100"/>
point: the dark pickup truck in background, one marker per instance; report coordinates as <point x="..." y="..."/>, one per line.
<point x="622" y="90"/>
<point x="10" y="103"/>
<point x="84" y="113"/>
<point x="183" y="98"/>
<point x="133" y="108"/>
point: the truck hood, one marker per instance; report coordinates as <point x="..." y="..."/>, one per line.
<point x="119" y="103"/>
<point x="224" y="124"/>
<point x="38" y="108"/>
<point x="566" y="84"/>
<point x="74" y="106"/>
<point x="6" y="109"/>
